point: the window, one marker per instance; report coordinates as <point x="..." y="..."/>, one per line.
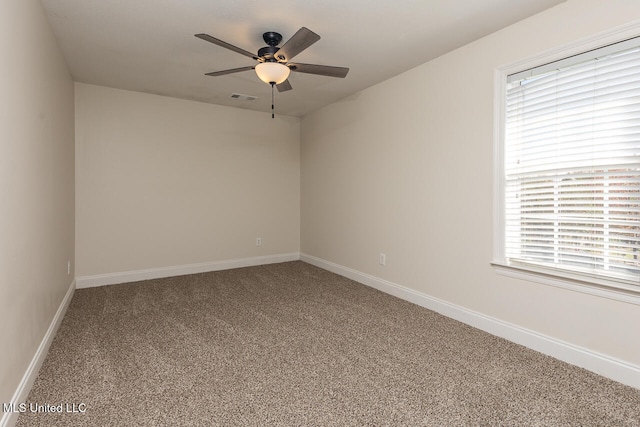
<point x="570" y="182"/>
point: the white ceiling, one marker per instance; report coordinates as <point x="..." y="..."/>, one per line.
<point x="149" y="45"/>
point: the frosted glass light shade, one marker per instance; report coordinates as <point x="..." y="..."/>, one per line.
<point x="272" y="72"/>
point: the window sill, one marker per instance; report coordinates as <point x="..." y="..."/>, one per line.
<point x="597" y="287"/>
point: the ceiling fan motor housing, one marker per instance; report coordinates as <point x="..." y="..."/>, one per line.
<point x="268" y="52"/>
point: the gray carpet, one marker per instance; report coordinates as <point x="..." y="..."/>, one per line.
<point x="292" y="345"/>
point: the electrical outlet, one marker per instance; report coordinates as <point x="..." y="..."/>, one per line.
<point x="68" y="268"/>
<point x="258" y="241"/>
<point x="383" y="259"/>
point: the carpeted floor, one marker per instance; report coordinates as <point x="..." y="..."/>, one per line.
<point x="291" y="345"/>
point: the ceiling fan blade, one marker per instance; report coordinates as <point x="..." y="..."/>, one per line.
<point x="284" y="86"/>
<point x="301" y="40"/>
<point x="230" y="71"/>
<point x="323" y="70"/>
<point x="226" y="45"/>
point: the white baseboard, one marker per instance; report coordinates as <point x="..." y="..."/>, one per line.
<point x="180" y="270"/>
<point x="22" y="392"/>
<point x="607" y="366"/>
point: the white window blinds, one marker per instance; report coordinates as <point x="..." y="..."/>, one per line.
<point x="572" y="165"/>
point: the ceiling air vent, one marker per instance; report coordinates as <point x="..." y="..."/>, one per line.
<point x="243" y="97"/>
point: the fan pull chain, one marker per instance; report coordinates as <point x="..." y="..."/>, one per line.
<point x="273" y="112"/>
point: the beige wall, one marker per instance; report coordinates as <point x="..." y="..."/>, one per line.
<point x="164" y="182"/>
<point x="405" y="168"/>
<point x="36" y="185"/>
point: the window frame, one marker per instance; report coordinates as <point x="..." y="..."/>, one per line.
<point x="567" y="280"/>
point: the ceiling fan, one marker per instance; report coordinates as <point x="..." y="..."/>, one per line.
<point x="274" y="63"/>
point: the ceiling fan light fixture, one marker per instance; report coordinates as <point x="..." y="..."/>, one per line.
<point x="272" y="72"/>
